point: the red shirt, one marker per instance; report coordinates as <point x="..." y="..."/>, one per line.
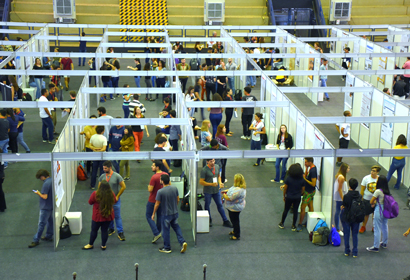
<point x="155" y="182"/>
<point x="66" y="63"/>
<point x="96" y="209"/>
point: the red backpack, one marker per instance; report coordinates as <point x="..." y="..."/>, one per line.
<point x="81" y="174"/>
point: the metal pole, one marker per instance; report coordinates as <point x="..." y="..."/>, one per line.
<point x="136" y="270"/>
<point x="204" y="266"/>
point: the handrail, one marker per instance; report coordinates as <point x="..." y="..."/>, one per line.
<point x="271" y="13"/>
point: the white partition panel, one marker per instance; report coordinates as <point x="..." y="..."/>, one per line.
<point x="326" y="189"/>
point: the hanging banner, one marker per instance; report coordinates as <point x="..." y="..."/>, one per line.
<point x="389" y="106"/>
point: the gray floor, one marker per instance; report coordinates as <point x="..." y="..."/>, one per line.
<point x="264" y="251"/>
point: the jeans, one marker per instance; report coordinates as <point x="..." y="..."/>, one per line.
<point x="215" y="121"/>
<point x="210" y="87"/>
<point x="223" y="169"/>
<point x="288" y="203"/>
<point x="148" y="85"/>
<point x="48" y="124"/>
<point x="174" y="144"/>
<point x="251" y="81"/>
<point x="108" y="84"/>
<point x="217" y="199"/>
<point x="79" y="59"/>
<point x="168" y="222"/>
<point x="115" y="163"/>
<point x="137" y="81"/>
<point x="97" y="164"/>
<point x="118" y="219"/>
<point x="183" y="83"/>
<point x="337" y="214"/>
<point x="346" y="232"/>
<point x="155" y="227"/>
<point x="39" y="83"/>
<point x="234" y="217"/>
<point x="228" y="118"/>
<point x="95" y="226"/>
<point x="160" y="83"/>
<point x="256" y="145"/>
<point x="246" y="123"/>
<point x="380" y="226"/>
<point x="114" y="81"/>
<point x="45" y="219"/>
<point x="89" y="81"/>
<point x="3" y="145"/>
<point x="323" y="84"/>
<point x="397" y="164"/>
<point x="33" y="84"/>
<point x="277" y="165"/>
<point x="126" y="110"/>
<point x="231" y="84"/>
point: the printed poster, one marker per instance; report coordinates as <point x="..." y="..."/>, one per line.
<point x="368" y="61"/>
<point x="300" y="131"/>
<point x="356" y="49"/>
<point x="366" y="102"/>
<point x="382" y="66"/>
<point x="389" y="107"/>
<point x="349" y="95"/>
<point x="58" y="183"/>
<point x="273" y="109"/>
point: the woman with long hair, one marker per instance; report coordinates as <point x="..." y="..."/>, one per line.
<point x="283" y="142"/>
<point x="16" y="91"/>
<point x="198" y="48"/>
<point x="38" y="79"/>
<point x="161" y="78"/>
<point x="138" y="130"/>
<point x="339" y="190"/>
<point x="215" y="114"/>
<point x="147" y="79"/>
<point x="102" y="201"/>
<point x="381" y="228"/>
<point x="235" y="203"/>
<point x="398" y="162"/>
<point x="127" y="145"/>
<point x="227" y="96"/>
<point x="206" y="136"/>
<point x="293" y="188"/>
<point x="13" y="131"/>
<point x="258" y="128"/>
<point x="220" y="135"/>
<point x="210" y="84"/>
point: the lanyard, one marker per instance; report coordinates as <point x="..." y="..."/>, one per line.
<point x="213" y="171"/>
<point x="108" y="178"/>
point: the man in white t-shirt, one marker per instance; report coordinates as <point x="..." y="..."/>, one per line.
<point x="257" y="128"/>
<point x="98" y="143"/>
<point x="46" y="118"/>
<point x="368" y="188"/>
<point x="344" y="137"/>
<point x="102" y="114"/>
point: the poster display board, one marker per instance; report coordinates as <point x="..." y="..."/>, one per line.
<point x="318" y="144"/>
<point x="389" y="107"/>
<point x="350" y="80"/>
<point x="382" y="66"/>
<point x="273" y="109"/>
<point x="356" y="49"/>
<point x="366" y="102"/>
<point x="58" y="183"/>
<point x="333" y="33"/>
<point x="300" y="131"/>
<point x="404" y="39"/>
<point x="368" y="61"/>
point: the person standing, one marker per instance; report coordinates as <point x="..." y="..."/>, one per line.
<point x="20" y="138"/>
<point x="127" y="145"/>
<point x="257" y="128"/>
<point x="46" y="209"/>
<point x="46" y="118"/>
<point x="344" y="137"/>
<point x="352" y="195"/>
<point x="346" y="61"/>
<point x="102" y="114"/>
<point x="154" y="186"/>
<point x="162" y="145"/>
<point x="118" y="187"/>
<point x="4" y="133"/>
<point x="368" y="187"/>
<point x="115" y="136"/>
<point x="52" y="98"/>
<point x="215" y="114"/>
<point x="399" y="89"/>
<point x="102" y="201"/>
<point x="67" y="64"/>
<point x="38" y="79"/>
<point x="88" y="132"/>
<point x="283" y="142"/>
<point x="136" y="103"/>
<point x="137" y="67"/>
<point x="210" y="84"/>
<point x="398" y="162"/>
<point x="339" y="191"/>
<point x="406" y="77"/>
<point x="183" y="79"/>
<point x="214" y="145"/>
<point x="227" y="96"/>
<point x="168" y="199"/>
<point x="231" y="66"/>
<point x="310" y="177"/>
<point x="247" y="114"/>
<point x="293" y="188"/>
<point x="323" y="78"/>
<point x="381" y="228"/>
<point x="13" y="133"/>
<point x="98" y="143"/>
<point x="211" y="180"/>
<point x="115" y="79"/>
<point x="174" y="132"/>
<point x="83" y="48"/>
<point x="235" y="204"/>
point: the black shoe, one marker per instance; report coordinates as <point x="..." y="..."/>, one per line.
<point x="210" y="222"/>
<point x="28" y="152"/>
<point x="111" y="231"/>
<point x="33" y="244"/>
<point x="163" y="250"/>
<point x="121" y="236"/>
<point x="281" y="226"/>
<point x="227" y="224"/>
<point x="46" y="239"/>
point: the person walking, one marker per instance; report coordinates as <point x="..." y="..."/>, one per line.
<point x="227" y="96"/>
<point x="168" y="199"/>
<point x="148" y="81"/>
<point x="352" y="195"/>
<point x="137" y="67"/>
<point x="398" y="162"/>
<point x="102" y="201"/>
<point x="339" y="190"/>
<point x="257" y="127"/>
<point x="138" y="130"/>
<point x="381" y="228"/>
<point x="293" y="188"/>
<point x="83" y="48"/>
<point x="206" y="136"/>
<point x="235" y="203"/>
<point x="247" y="113"/>
<point x="323" y="78"/>
<point x="46" y="209"/>
<point x="38" y="79"/>
<point x="283" y="142"/>
<point x="344" y="137"/>
<point x="346" y="62"/>
<point x="46" y="118"/>
<point x="215" y="114"/>
<point x="20" y="138"/>
<point x="127" y="145"/>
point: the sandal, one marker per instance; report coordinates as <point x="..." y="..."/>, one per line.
<point x="256" y="164"/>
<point x="88" y="247"/>
<point x="103" y="248"/>
<point x="234" y="238"/>
<point x="231" y="233"/>
<point x="228" y="134"/>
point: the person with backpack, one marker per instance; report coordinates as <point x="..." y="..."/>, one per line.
<point x="340" y="189"/>
<point x="368" y="187"/>
<point x="398" y="162"/>
<point x="353" y="211"/>
<point x="380" y="222"/>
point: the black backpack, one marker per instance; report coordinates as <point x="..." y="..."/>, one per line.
<point x="356" y="212"/>
<point x="27" y="97"/>
<point x="177" y="162"/>
<point x="238" y="95"/>
<point x="185" y="203"/>
<point x="193" y="64"/>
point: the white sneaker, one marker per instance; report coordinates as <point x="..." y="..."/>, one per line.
<point x="249" y="138"/>
<point x="243" y="137"/>
<point x="226" y="180"/>
<point x="340" y="233"/>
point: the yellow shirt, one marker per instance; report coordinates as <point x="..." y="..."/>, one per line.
<point x="280" y="77"/>
<point x="400" y="147"/>
<point x="92" y="131"/>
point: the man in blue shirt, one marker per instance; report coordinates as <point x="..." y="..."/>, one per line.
<point x="46" y="209"/>
<point x="115" y="136"/>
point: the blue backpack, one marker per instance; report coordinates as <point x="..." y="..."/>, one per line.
<point x="334" y="237"/>
<point x="319" y="224"/>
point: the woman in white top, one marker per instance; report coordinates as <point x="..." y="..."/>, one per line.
<point x="380" y="222"/>
<point x="258" y="128"/>
<point x="340" y="189"/>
